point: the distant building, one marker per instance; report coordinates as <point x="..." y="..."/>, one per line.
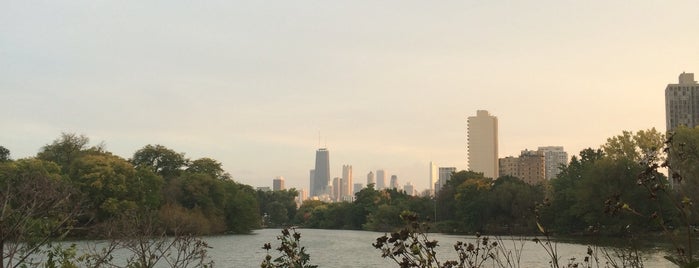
<point x="312" y="181"/>
<point x="370" y="179"/>
<point x="445" y="174"/>
<point x="434" y="176"/>
<point x="278" y="184"/>
<point x="554" y="158"/>
<point x="347" y="183"/>
<point x="682" y="103"/>
<point x="529" y="166"/>
<point x="356" y="188"/>
<point x="380" y="179"/>
<point x="322" y="173"/>
<point x="337" y="189"/>
<point x="483" y="144"/>
<point x="409" y="189"/>
<point x="264" y="189"/>
<point x="303" y="196"/>
<point x="394" y="183"/>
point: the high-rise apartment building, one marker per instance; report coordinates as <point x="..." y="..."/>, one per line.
<point x="347" y="183"/>
<point x="380" y="179"/>
<point x="529" y="166"/>
<point x="321" y="176"/>
<point x="554" y="158"/>
<point x="278" y="184"/>
<point x="444" y="176"/>
<point x="370" y="179"/>
<point x="682" y="102"/>
<point x="483" y="144"/>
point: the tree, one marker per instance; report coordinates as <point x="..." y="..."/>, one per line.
<point x="110" y="185"/>
<point x="36" y="207"/>
<point x="161" y="160"/>
<point x="4" y="154"/>
<point x="634" y="146"/>
<point x="66" y="149"/>
<point x="208" y="166"/>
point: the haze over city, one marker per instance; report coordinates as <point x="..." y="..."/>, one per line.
<point x="382" y="85"/>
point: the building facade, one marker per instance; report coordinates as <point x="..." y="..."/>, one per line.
<point x="394" y="183"/>
<point x="380" y="179"/>
<point x="529" y="166"/>
<point x="409" y="189"/>
<point x="483" y="144"/>
<point x="278" y="184"/>
<point x="434" y="176"/>
<point x="321" y="174"/>
<point x="370" y="179"/>
<point x="347" y="183"/>
<point x="554" y="158"/>
<point x="682" y="103"/>
<point x="444" y="176"/>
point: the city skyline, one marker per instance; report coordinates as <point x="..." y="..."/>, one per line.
<point x="251" y="84"/>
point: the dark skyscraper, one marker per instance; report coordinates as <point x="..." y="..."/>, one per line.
<point x="322" y="173"/>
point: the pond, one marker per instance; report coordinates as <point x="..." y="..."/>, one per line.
<point x="347" y="248"/>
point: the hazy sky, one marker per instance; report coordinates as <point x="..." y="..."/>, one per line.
<point x="387" y="84"/>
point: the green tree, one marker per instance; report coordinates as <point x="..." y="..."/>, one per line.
<point x="4" y="154"/>
<point x="66" y="149"/>
<point x="161" y="160"/>
<point x="110" y="185"/>
<point x="208" y="166"/>
<point x="285" y="203"/>
<point x="634" y="146"/>
<point x="37" y="207"/>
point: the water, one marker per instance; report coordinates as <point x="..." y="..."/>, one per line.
<point x="345" y="248"/>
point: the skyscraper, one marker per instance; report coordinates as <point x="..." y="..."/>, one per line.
<point x="394" y="183"/>
<point x="337" y="189"/>
<point x="554" y="158"/>
<point x="682" y="102"/>
<point x="321" y="177"/>
<point x="313" y="182"/>
<point x="380" y="179"/>
<point x="278" y="184"/>
<point x="409" y="189"/>
<point x="370" y="179"/>
<point x="483" y="144"/>
<point x="347" y="183"/>
<point x="433" y="176"/>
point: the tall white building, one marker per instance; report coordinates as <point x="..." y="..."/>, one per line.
<point x="483" y="144"/>
<point x="554" y="158"/>
<point x="434" y="176"/>
<point x="370" y="179"/>
<point x="682" y="102"/>
<point x="347" y="183"/>
<point x="380" y="179"/>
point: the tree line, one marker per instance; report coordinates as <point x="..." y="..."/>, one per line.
<point x="73" y="189"/>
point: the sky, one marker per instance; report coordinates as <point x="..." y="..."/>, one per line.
<point x="260" y="85"/>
